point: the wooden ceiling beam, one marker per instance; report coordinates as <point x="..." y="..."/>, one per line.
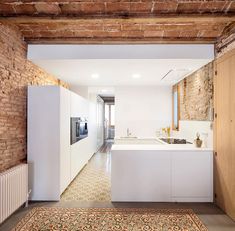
<point x="160" y="19"/>
<point x="72" y="40"/>
<point x="147" y="30"/>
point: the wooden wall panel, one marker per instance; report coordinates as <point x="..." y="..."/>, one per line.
<point x="233" y="134"/>
<point x="225" y="133"/>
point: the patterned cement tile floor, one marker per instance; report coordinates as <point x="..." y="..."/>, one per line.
<point x="210" y="214"/>
<point x="93" y="182"/>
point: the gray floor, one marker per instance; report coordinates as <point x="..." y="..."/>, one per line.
<point x="210" y="215"/>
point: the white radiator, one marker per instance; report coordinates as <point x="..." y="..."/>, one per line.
<point x="13" y="190"/>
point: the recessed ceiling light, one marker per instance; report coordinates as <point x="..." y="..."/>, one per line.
<point x="95" y="76"/>
<point x="136" y="76"/>
<point x="104" y="90"/>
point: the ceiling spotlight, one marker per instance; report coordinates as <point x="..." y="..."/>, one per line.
<point x="104" y="90"/>
<point x="95" y="76"/>
<point x="136" y="76"/>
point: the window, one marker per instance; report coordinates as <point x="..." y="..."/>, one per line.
<point x="176" y="108"/>
<point x="110" y="114"/>
<point x="106" y="112"/>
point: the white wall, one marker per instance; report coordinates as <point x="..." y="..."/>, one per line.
<point x="142" y="109"/>
<point x="189" y="128"/>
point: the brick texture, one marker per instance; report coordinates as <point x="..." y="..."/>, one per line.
<point x="110" y="8"/>
<point x="112" y="21"/>
<point x="196" y="94"/>
<point x="16" y="73"/>
<point x="140" y="30"/>
<point x="224" y="45"/>
<point x="226" y="48"/>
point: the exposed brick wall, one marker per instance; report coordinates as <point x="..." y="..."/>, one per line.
<point x="16" y="73"/>
<point x="113" y="7"/>
<point x="196" y="94"/>
<point x="225" y="45"/>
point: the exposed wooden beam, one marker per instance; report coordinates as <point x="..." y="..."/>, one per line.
<point x="67" y="40"/>
<point x="158" y="29"/>
<point x="160" y="19"/>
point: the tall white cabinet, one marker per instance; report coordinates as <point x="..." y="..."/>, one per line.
<point x="48" y="141"/>
<point x="81" y="151"/>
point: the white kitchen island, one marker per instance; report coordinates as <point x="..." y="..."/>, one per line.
<point x="161" y="173"/>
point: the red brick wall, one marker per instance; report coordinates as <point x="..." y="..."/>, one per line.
<point x="196" y="94"/>
<point x="16" y="73"/>
<point x="225" y="45"/>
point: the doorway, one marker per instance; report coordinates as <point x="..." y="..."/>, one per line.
<point x="109" y="119"/>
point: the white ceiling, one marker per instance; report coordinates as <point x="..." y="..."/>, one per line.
<point x="119" y="72"/>
<point x="116" y="64"/>
<point x="152" y="51"/>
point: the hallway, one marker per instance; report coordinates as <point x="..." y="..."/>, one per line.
<point x="93" y="182"/>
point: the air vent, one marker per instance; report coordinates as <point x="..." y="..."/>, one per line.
<point x="175" y="75"/>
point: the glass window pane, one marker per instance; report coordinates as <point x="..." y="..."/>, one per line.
<point x="175" y="109"/>
<point x="112" y="115"/>
<point x="106" y="112"/>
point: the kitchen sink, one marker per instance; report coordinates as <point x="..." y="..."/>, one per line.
<point x="128" y="137"/>
<point x="136" y="141"/>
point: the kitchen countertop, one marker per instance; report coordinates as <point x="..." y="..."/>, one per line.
<point x="161" y="146"/>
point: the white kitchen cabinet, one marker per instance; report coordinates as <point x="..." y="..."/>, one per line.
<point x="140" y="176"/>
<point x="161" y="173"/>
<point x="48" y="141"/>
<point x="65" y="157"/>
<point x="192" y="176"/>
<point x="79" y="106"/>
<point x="53" y="161"/>
<point x="80" y="154"/>
<point x="81" y="150"/>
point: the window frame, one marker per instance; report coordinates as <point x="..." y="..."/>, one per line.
<point x="175" y="88"/>
<point x="109" y="114"/>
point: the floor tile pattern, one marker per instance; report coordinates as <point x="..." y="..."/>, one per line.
<point x="107" y="219"/>
<point x="93" y="182"/>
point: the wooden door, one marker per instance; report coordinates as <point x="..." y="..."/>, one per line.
<point x="232" y="111"/>
<point x="224" y="133"/>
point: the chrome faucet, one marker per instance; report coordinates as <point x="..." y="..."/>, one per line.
<point x="128" y="133"/>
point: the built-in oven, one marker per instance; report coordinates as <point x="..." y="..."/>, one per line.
<point x="79" y="129"/>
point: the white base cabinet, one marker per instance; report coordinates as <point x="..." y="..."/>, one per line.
<point x="161" y="175"/>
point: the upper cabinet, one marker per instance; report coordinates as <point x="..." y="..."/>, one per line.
<point x="79" y="106"/>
